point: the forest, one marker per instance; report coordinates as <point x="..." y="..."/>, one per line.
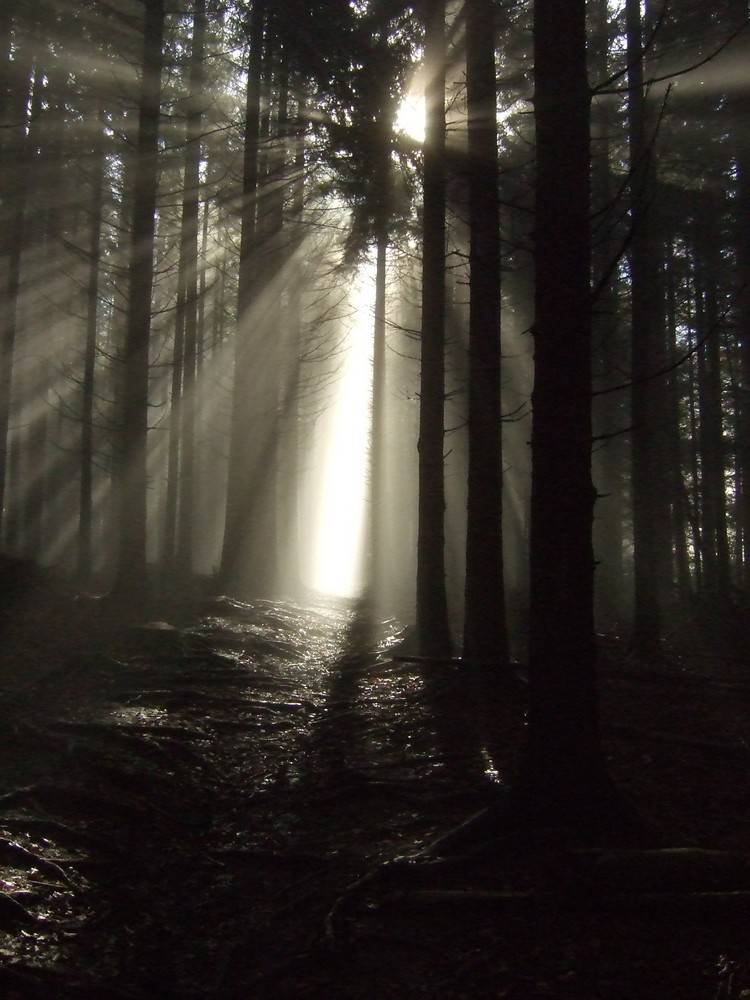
<point x="374" y="499"/>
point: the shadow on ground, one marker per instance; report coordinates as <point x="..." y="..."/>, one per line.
<point x="184" y="802"/>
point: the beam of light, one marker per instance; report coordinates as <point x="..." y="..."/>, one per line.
<point x="410" y="117"/>
<point x="338" y="531"/>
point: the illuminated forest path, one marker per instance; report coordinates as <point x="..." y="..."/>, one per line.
<point x="183" y="803"/>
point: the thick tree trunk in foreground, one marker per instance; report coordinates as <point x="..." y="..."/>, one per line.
<point x="433" y="631"/>
<point x="563" y="776"/>
<point x="485" y="636"/>
<point x="132" y="473"/>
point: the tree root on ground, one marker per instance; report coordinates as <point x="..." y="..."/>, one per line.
<point x="13" y="914"/>
<point x="688" y="882"/>
<point x="13" y="853"/>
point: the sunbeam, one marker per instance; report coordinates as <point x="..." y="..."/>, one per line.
<point x="338" y="532"/>
<point x="410" y="116"/>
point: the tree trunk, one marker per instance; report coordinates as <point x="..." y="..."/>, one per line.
<point x="433" y="631"/>
<point x="563" y="776"/>
<point x="650" y="521"/>
<point x="485" y="635"/>
<point x="610" y="412"/>
<point x="189" y="260"/>
<point x="240" y="485"/>
<point x="675" y="452"/>
<point x="715" y="547"/>
<point x="132" y="472"/>
<point x="378" y="544"/>
<point x="14" y="184"/>
<point x="88" y="387"/>
<point x="743" y="320"/>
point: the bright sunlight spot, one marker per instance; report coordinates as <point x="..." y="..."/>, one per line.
<point x="410" y="117"/>
<point x="339" y="532"/>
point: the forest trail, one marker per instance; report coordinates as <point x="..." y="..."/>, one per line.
<point x="162" y="790"/>
<point x="182" y="802"/>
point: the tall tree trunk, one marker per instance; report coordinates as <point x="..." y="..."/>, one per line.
<point x="650" y="520"/>
<point x="171" y="500"/>
<point x="675" y="452"/>
<point x="433" y="630"/>
<point x="610" y="412"/>
<point x="14" y="184"/>
<point x="240" y="483"/>
<point x="378" y="491"/>
<point x="290" y="466"/>
<point x="717" y="581"/>
<point x="563" y="776"/>
<point x="485" y="634"/>
<point x="88" y="387"/>
<point x="132" y="473"/>
<point x="743" y="321"/>
<point x="189" y="254"/>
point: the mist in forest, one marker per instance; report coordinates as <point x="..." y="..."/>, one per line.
<point x="215" y="316"/>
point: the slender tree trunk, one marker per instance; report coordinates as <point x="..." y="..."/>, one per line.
<point x="290" y="470"/>
<point x="650" y="520"/>
<point x="563" y="775"/>
<point x="14" y="186"/>
<point x="189" y="251"/>
<point x="171" y="500"/>
<point x="485" y="634"/>
<point x="676" y="452"/>
<point x="240" y="483"/>
<point x="378" y="487"/>
<point x="743" y="319"/>
<point x="133" y="474"/>
<point x="710" y="407"/>
<point x="88" y="387"/>
<point x="610" y="412"/>
<point x="433" y="630"/>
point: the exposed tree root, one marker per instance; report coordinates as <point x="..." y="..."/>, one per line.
<point x="461" y="868"/>
<point x="70" y="837"/>
<point x="14" y="853"/>
<point x="13" y="913"/>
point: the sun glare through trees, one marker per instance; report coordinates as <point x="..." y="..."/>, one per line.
<point x="186" y="380"/>
<point x="340" y="458"/>
<point x="410" y="116"/>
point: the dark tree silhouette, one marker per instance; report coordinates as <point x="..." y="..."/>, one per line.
<point x="563" y="777"/>
<point x="433" y="630"/>
<point x="485" y="632"/>
<point x="133" y="474"/>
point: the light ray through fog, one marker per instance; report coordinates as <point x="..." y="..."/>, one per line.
<point x="338" y="531"/>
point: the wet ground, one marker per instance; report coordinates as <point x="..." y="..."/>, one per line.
<point x="186" y="804"/>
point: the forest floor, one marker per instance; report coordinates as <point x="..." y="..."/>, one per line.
<point x="212" y="809"/>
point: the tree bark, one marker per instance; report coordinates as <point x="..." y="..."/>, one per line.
<point x="485" y="634"/>
<point x="433" y="631"/>
<point x="240" y="484"/>
<point x="132" y="472"/>
<point x="715" y="542"/>
<point x="650" y="515"/>
<point x="189" y="260"/>
<point x="563" y="777"/>
<point x="88" y="386"/>
<point x="378" y="490"/>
